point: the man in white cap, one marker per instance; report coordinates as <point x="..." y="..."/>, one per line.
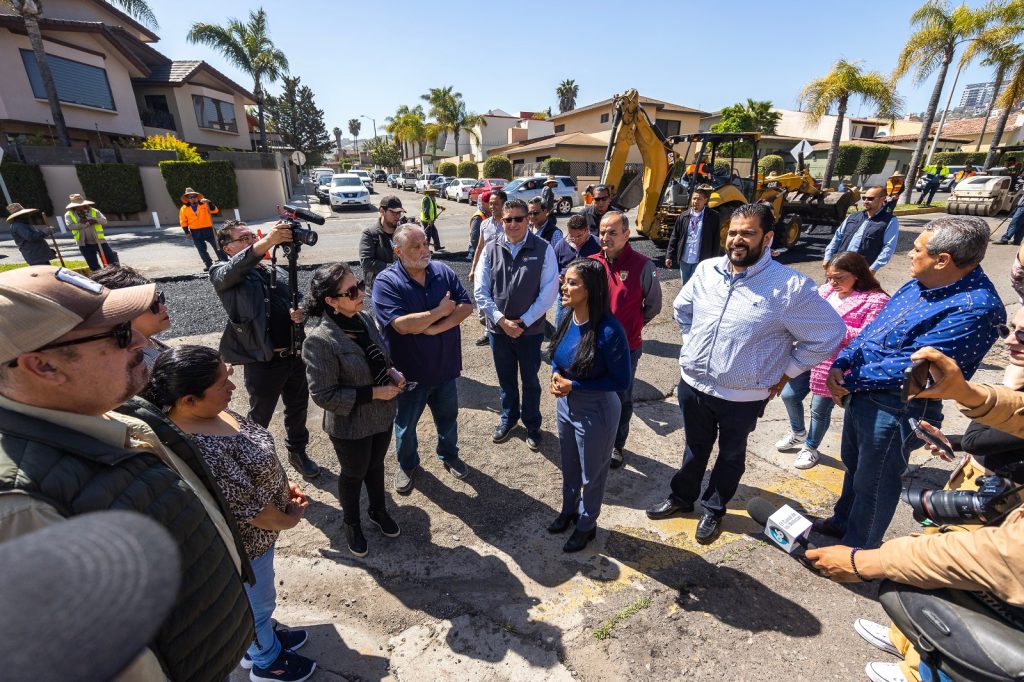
<point x="86" y="223"/>
<point x="31" y="241"/>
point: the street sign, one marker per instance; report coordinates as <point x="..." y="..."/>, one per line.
<point x="803" y="147"/>
<point x="298" y="158"/>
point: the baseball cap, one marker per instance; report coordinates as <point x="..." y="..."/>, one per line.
<point x="41" y="303"/>
<point x="392" y="203"/>
<point x="85" y="596"/>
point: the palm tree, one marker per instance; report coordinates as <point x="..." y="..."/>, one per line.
<point x="449" y="111"/>
<point x="1002" y="57"/>
<point x="249" y="48"/>
<point x="1008" y="59"/>
<point x="1011" y="98"/>
<point x="399" y="124"/>
<point x="567" y="91"/>
<point x="354" y="124"/>
<point x="466" y="122"/>
<point x="940" y="31"/>
<point x="31" y="11"/>
<point x="337" y="140"/>
<point x="835" y="89"/>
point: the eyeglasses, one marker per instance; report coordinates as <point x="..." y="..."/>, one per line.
<point x="247" y="237"/>
<point x="160" y="300"/>
<point x="1004" y="332"/>
<point x="122" y="333"/>
<point x="353" y="291"/>
<point x="513" y="219"/>
<point x="605" y="198"/>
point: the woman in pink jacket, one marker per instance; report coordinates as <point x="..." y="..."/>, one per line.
<point x="857" y="296"/>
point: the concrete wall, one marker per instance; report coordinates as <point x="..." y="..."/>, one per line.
<point x="260" y="192"/>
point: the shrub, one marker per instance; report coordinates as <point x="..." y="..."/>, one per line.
<point x="847" y="159"/>
<point x="555" y="165"/>
<point x="468" y="169"/>
<point x="115" y="187"/>
<point x="447" y="168"/>
<point x="723" y="167"/>
<point x="771" y="163"/>
<point x="959" y="158"/>
<point x="27" y="187"/>
<point x="498" y="167"/>
<point x="186" y="152"/>
<point x="214" y="179"/>
<point x="872" y="159"/>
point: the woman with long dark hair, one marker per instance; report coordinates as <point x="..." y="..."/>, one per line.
<point x="351" y="378"/>
<point x="193" y="386"/>
<point x="149" y="323"/>
<point x="590" y="365"/>
<point x="854" y="292"/>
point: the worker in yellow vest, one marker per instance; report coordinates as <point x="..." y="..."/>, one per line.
<point x="428" y="214"/>
<point x="86" y="225"/>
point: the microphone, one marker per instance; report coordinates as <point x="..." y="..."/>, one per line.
<point x="303" y="214"/>
<point x="784" y="526"/>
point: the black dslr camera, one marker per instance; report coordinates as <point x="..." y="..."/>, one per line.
<point x="997" y="494"/>
<point x="301" y="236"/>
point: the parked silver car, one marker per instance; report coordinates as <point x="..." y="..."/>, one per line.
<point x="566" y="196"/>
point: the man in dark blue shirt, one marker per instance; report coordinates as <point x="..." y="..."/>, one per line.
<point x="419" y="304"/>
<point x="950" y="305"/>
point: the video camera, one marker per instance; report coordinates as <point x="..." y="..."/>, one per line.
<point x="997" y="495"/>
<point x="301" y="236"/>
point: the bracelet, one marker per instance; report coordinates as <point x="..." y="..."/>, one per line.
<point x="853" y="565"/>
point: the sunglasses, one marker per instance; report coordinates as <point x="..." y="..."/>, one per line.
<point x="513" y="219"/>
<point x="872" y="198"/>
<point x="602" y="198"/>
<point x="353" y="291"/>
<point x="1004" y="332"/>
<point x="533" y="213"/>
<point x="122" y="333"/>
<point x="160" y="300"/>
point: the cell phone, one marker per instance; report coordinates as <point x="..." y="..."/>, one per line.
<point x="915" y="425"/>
<point x="916" y="378"/>
<point x="409" y="386"/>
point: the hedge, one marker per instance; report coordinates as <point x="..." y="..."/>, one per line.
<point x="498" y="167"/>
<point x="115" y="187"/>
<point x="771" y="163"/>
<point x="723" y="167"/>
<point x="847" y="159"/>
<point x="468" y="169"/>
<point x="448" y="168"/>
<point x="872" y="159"/>
<point x="27" y="187"/>
<point x="555" y="165"/>
<point x="959" y="158"/>
<point x="214" y="179"/>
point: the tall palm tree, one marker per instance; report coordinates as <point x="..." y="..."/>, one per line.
<point x="354" y="124"/>
<point x="337" y="140"/>
<point x="31" y="11"/>
<point x="1007" y="57"/>
<point x="249" y="49"/>
<point x="567" y="91"/>
<point x="1011" y="98"/>
<point x="845" y="81"/>
<point x="941" y="30"/>
<point x="449" y="111"/>
<point x="466" y="122"/>
<point x="402" y="126"/>
<point x="1001" y="57"/>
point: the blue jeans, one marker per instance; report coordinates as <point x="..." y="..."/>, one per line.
<point x="877" y="441"/>
<point x="200" y="238"/>
<point x="821" y="409"/>
<point x="626" y="399"/>
<point x="443" y="401"/>
<point x="586" y="430"/>
<point x="686" y="271"/>
<point x="928" y="193"/>
<point x="516" y="359"/>
<point x="1015" y="230"/>
<point x="263" y="599"/>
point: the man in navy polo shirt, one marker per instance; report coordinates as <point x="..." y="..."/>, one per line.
<point x="419" y="305"/>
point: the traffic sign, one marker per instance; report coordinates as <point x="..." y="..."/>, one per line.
<point x="298" y="158"/>
<point x="803" y="147"/>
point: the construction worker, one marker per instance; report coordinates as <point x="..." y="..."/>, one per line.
<point x="482" y="213"/>
<point x="967" y="172"/>
<point x="86" y="225"/>
<point x="196" y="219"/>
<point x="893" y="190"/>
<point x="547" y="194"/>
<point x="30" y="239"/>
<point x="428" y="214"/>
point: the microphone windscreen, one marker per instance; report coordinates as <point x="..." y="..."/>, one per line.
<point x="760" y="510"/>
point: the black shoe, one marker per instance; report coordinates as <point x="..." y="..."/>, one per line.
<point x="562" y="523"/>
<point x="289" y="667"/>
<point x="457" y="468"/>
<point x="403" y="480"/>
<point x="618" y="459"/>
<point x="1004" y="242"/>
<point x="708" y="529"/>
<point x="483" y="341"/>
<point x="355" y="538"/>
<point x="533" y="441"/>
<point x="206" y="268"/>
<point x="827" y="527"/>
<point x="304" y="465"/>
<point x="502" y="432"/>
<point x="289" y="639"/>
<point x="668" y="507"/>
<point x="579" y="540"/>
<point x="384" y="521"/>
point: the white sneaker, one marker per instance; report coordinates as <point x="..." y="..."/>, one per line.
<point x="876" y="635"/>
<point x="791" y="441"/>
<point x="884" y="672"/>
<point x="807" y="458"/>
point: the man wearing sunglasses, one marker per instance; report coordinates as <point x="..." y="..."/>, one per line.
<point x="872" y="233"/>
<point x="70" y="445"/>
<point x="515" y="284"/>
<point x="543" y="223"/>
<point x="595" y="211"/>
<point x="259" y="334"/>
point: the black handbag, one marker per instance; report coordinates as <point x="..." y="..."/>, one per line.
<point x="969" y="636"/>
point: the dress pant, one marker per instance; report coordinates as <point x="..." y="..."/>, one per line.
<point x="626" y="399"/>
<point x="200" y="238"/>
<point x="1015" y="230"/>
<point x="91" y="253"/>
<point x="928" y="193"/>
<point x="362" y="463"/>
<point x="516" y="359"/>
<point x="586" y="434"/>
<point x="443" y="401"/>
<point x="705" y="418"/>
<point x="283" y="378"/>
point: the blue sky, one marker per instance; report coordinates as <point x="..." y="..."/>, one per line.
<point x="370" y="57"/>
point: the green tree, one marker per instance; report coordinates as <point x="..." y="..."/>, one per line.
<point x="469" y="169"/>
<point x="30" y="12"/>
<point x="447" y="168"/>
<point x="1007" y="57"/>
<point x="383" y="153"/>
<point x="498" y="167"/>
<point x="354" y="124"/>
<point x="940" y="31"/>
<point x="771" y="163"/>
<point x="752" y="116"/>
<point x="567" y="91"/>
<point x="449" y="111"/>
<point x="295" y="116"/>
<point x="337" y="140"/>
<point x="249" y="49"/>
<point x="844" y="82"/>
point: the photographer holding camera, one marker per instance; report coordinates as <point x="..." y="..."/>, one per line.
<point x="259" y="335"/>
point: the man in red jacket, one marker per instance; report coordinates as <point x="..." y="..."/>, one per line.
<point x="635" y="294"/>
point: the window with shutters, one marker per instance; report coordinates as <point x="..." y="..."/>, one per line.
<point x="560" y="128"/>
<point x="76" y="83"/>
<point x="214" y="114"/>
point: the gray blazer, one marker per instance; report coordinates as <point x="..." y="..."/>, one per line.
<point x="335" y="367"/>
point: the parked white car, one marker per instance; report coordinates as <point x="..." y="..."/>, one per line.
<point x="426" y="180"/>
<point x="365" y="177"/>
<point x="458" y="189"/>
<point x="407" y="181"/>
<point x="347" y="191"/>
<point x="566" y="196"/>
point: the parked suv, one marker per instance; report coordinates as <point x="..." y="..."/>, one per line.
<point x="566" y="196"/>
<point x="365" y="177"/>
<point x="348" y="190"/>
<point x="407" y="181"/>
<point x="380" y="176"/>
<point x="426" y="180"/>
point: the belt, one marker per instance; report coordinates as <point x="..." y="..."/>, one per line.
<point x="283" y="353"/>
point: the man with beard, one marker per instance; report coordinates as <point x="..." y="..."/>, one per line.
<point x="749" y="325"/>
<point x="376" y="251"/>
<point x="70" y="445"/>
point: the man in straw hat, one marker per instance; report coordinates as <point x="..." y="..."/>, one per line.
<point x="31" y="241"/>
<point x="893" y="190"/>
<point x="196" y="219"/>
<point x="547" y="193"/>
<point x="72" y="442"/>
<point x="428" y="214"/>
<point x="86" y="224"/>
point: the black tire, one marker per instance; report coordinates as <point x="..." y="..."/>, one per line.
<point x="789" y="228"/>
<point x="563" y="206"/>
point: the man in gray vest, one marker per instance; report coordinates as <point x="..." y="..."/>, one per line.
<point x="872" y="233"/>
<point x="70" y="444"/>
<point x="516" y="282"/>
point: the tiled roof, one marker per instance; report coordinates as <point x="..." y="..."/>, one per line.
<point x="970" y="126"/>
<point x="172" y="72"/>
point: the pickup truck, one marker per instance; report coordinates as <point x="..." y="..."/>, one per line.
<point x="407" y="181"/>
<point x="426" y="180"/>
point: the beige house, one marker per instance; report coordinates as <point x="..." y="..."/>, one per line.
<point x="970" y="130"/>
<point x="672" y="119"/>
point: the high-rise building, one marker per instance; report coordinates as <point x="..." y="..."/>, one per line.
<point x="977" y="95"/>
